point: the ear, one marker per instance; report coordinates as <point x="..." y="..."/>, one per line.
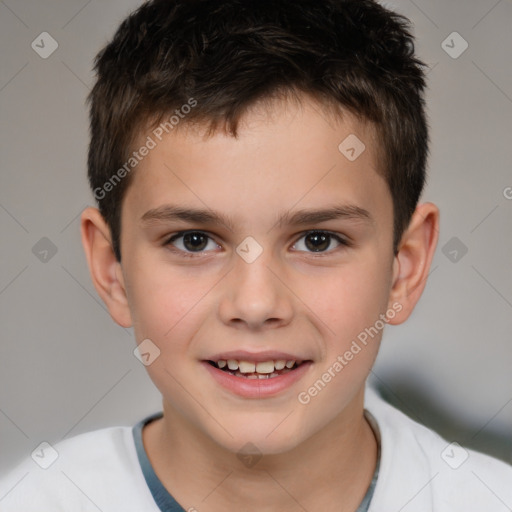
<point x="412" y="262"/>
<point x="106" y="271"/>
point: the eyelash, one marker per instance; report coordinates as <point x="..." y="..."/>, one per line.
<point x="342" y="241"/>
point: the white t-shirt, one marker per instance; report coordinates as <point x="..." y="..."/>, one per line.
<point x="107" y="470"/>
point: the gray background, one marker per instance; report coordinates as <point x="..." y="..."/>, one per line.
<point x="67" y="368"/>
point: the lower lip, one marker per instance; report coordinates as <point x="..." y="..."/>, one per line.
<point x="257" y="388"/>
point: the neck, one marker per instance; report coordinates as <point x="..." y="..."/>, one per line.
<point x="329" y="471"/>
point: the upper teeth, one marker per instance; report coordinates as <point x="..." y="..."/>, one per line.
<point x="251" y="367"/>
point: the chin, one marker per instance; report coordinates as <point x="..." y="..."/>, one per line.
<point x="269" y="437"/>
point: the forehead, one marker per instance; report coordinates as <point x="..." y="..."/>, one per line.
<point x="287" y="155"/>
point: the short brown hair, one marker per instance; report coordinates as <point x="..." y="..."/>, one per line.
<point x="227" y="55"/>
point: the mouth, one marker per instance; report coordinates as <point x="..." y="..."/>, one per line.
<point x="264" y="374"/>
<point x="260" y="370"/>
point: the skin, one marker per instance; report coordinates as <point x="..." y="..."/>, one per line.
<point x="316" y="456"/>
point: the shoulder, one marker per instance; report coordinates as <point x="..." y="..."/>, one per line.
<point x="80" y="472"/>
<point x="422" y="471"/>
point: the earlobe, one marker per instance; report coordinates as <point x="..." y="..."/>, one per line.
<point x="412" y="263"/>
<point x="106" y="272"/>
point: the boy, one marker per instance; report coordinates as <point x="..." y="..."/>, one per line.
<point x="290" y="139"/>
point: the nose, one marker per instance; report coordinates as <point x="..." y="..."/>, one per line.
<point x="254" y="296"/>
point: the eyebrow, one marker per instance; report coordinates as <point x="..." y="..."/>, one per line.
<point x="167" y="213"/>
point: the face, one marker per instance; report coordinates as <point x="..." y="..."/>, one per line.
<point x="270" y="247"/>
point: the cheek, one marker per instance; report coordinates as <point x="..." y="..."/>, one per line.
<point x="349" y="300"/>
<point x="167" y="309"/>
<point x="162" y="302"/>
<point x="349" y="303"/>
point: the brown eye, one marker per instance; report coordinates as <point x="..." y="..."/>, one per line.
<point x="320" y="241"/>
<point x="189" y="242"/>
<point x="195" y="241"/>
